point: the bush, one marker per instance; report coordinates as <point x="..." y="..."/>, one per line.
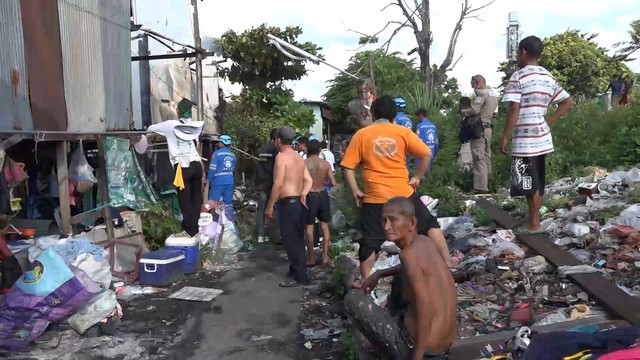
<point x="588" y="136"/>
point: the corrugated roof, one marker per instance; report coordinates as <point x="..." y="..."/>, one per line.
<point x="15" y="109"/>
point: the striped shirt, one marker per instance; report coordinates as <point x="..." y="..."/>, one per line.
<point x="535" y="89"/>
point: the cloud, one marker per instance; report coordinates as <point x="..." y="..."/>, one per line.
<point x="481" y="43"/>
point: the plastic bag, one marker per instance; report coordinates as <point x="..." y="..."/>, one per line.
<point x="92" y="313"/>
<point x="231" y="243"/>
<point x="506" y="248"/>
<point x="338" y="220"/>
<point x="633" y="210"/>
<point x="80" y="172"/>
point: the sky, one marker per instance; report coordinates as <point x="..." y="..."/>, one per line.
<point x="328" y="23"/>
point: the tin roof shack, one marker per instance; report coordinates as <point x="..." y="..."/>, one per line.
<point x="68" y="69"/>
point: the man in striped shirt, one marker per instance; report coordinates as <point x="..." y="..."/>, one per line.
<point x="529" y="93"/>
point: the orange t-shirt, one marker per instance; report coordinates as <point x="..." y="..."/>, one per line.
<point x="382" y="149"/>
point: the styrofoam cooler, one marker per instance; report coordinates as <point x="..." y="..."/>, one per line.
<point x="161" y="267"/>
<point x="190" y="247"/>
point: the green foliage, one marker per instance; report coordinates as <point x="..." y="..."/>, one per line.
<point x="336" y="283"/>
<point x="256" y="63"/>
<point x="348" y="347"/>
<point x="481" y="217"/>
<point x="394" y="76"/>
<point x="634" y="196"/>
<point x="577" y="62"/>
<point x="632" y="45"/>
<point x="158" y="223"/>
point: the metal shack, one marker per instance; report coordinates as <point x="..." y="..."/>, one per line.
<point x="65" y="67"/>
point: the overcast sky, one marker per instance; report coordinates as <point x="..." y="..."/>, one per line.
<point x="327" y="23"/>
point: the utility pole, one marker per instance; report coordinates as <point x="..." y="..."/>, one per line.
<point x="199" y="56"/>
<point x="145" y="82"/>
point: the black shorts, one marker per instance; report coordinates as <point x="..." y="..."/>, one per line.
<point x="319" y="207"/>
<point x="528" y="175"/>
<point x="373" y="235"/>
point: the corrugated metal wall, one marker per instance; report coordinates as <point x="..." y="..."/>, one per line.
<point x="96" y="59"/>
<point x="15" y="111"/>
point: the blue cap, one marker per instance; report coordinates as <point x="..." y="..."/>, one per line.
<point x="313" y="137"/>
<point x="400" y="102"/>
<point x="225" y="139"/>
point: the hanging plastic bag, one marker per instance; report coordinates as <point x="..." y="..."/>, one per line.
<point x="80" y="172"/>
<point x="230" y="242"/>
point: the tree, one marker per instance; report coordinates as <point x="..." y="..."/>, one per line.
<point x="394" y="76"/>
<point x="264" y="102"/>
<point x="633" y="44"/>
<point x="577" y="62"/>
<point x="419" y="21"/>
<point x="256" y="63"/>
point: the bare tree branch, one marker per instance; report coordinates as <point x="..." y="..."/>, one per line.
<point x="408" y="15"/>
<point x="455" y="63"/>
<point x="400" y="26"/>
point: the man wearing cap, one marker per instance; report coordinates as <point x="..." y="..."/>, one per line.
<point x="182" y="141"/>
<point x="221" y="169"/>
<point x="291" y="185"/>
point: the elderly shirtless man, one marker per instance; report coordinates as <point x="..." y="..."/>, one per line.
<point x="291" y="184"/>
<point x="427" y="327"/>
<point x="318" y="201"/>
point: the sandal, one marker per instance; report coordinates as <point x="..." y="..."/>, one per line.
<point x="289" y="284"/>
<point x="524" y="231"/>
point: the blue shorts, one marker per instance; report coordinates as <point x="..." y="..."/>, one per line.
<point x="224" y="192"/>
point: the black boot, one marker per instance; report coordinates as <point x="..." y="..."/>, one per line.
<point x="11" y="272"/>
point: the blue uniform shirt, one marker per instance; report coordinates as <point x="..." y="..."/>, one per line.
<point x="428" y="133"/>
<point x="223" y="164"/>
<point x="403" y="120"/>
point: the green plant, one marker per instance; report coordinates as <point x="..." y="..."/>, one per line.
<point x="634" y="196"/>
<point x="481" y="217"/>
<point x="348" y="347"/>
<point x="158" y="223"/>
<point x="336" y="283"/>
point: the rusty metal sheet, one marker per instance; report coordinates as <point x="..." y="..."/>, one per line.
<point x="614" y="299"/>
<point x="96" y="53"/>
<point x="43" y="56"/>
<point x="15" y="109"/>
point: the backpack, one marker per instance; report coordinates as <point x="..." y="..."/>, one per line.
<point x="471" y="128"/>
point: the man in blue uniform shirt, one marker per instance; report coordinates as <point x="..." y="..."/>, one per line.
<point x="428" y="133"/>
<point x="403" y="120"/>
<point x="220" y="177"/>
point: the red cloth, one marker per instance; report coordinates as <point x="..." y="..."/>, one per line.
<point x="627" y="354"/>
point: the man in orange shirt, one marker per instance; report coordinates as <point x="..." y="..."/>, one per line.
<point x="382" y="149"/>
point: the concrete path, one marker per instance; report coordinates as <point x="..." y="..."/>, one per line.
<point x="252" y="305"/>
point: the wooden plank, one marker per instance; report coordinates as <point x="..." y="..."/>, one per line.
<point x="474" y="347"/>
<point x="103" y="189"/>
<point x="614" y="299"/>
<point x="62" y="168"/>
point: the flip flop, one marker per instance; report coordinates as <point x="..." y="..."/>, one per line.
<point x="289" y="284"/>
<point x="524" y="231"/>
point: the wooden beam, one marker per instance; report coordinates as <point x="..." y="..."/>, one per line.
<point x="103" y="189"/>
<point x="63" y="186"/>
<point x="614" y="299"/>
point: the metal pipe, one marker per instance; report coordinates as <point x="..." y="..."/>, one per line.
<point x="149" y="31"/>
<point x="169" y="56"/>
<point x="307" y="54"/>
<point x="199" y="56"/>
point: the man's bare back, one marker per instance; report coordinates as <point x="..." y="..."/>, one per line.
<point x="429" y="288"/>
<point x="319" y="170"/>
<point x="292" y="165"/>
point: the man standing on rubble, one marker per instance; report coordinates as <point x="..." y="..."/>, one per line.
<point x="428" y="133"/>
<point x="291" y="184"/>
<point x="402" y="119"/>
<point x="427" y="328"/>
<point x="484" y="105"/>
<point x="529" y="93"/>
<point x="318" y="202"/>
<point x="221" y="170"/>
<point x="266" y="163"/>
<point x="382" y="149"/>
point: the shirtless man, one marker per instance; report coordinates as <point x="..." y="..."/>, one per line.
<point x="291" y="184"/>
<point x="318" y="201"/>
<point x="427" y="329"/>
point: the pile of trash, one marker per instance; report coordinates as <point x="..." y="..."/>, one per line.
<point x="66" y="280"/>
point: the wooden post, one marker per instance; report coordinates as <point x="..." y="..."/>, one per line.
<point x="199" y="56"/>
<point x="63" y="186"/>
<point x="103" y="188"/>
<point x="145" y="82"/>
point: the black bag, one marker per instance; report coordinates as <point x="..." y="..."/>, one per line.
<point x="471" y="128"/>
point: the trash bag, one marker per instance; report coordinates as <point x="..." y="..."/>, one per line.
<point x="338" y="221"/>
<point x="230" y="242"/>
<point x="633" y="210"/>
<point x="48" y="292"/>
<point x="80" y="172"/>
<point x="92" y="313"/>
<point x="506" y="248"/>
<point x="633" y="176"/>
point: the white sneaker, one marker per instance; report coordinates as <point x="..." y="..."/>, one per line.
<point x="261" y="239"/>
<point x="266" y="239"/>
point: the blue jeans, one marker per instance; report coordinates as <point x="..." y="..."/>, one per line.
<point x="224" y="192"/>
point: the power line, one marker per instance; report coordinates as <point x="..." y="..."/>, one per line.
<point x="80" y="8"/>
